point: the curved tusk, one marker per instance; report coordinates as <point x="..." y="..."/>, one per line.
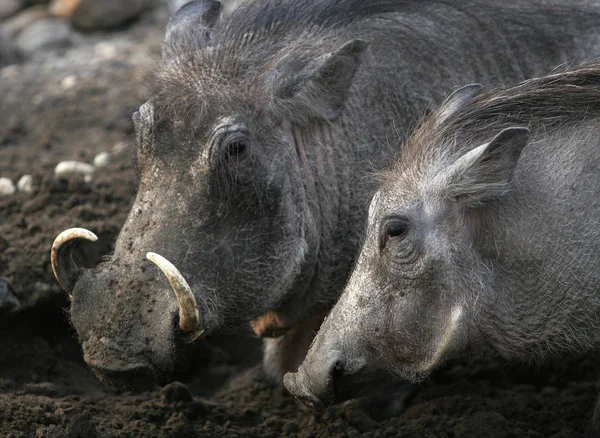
<point x="189" y="317"/>
<point x="62" y="244"/>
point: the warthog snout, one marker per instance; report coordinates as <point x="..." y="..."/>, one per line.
<point x="67" y="272"/>
<point x="135" y="377"/>
<point x="315" y="385"/>
<point x="327" y="379"/>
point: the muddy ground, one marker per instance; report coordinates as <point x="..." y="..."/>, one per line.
<point x="45" y="388"/>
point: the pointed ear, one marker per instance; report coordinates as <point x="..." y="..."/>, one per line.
<point x="487" y="171"/>
<point x="191" y="25"/>
<point x="456" y="101"/>
<point x="323" y="84"/>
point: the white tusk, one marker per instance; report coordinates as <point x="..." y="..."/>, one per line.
<point x="62" y="242"/>
<point x="189" y="317"/>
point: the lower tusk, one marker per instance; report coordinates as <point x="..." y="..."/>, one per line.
<point x="189" y="317"/>
<point x="62" y="243"/>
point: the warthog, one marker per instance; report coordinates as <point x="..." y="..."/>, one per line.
<point x="253" y="151"/>
<point x="484" y="237"/>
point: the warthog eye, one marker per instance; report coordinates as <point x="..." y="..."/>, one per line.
<point x="395" y="228"/>
<point x="236" y="146"/>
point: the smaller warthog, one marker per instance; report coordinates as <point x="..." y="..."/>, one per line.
<point x="484" y="237"/>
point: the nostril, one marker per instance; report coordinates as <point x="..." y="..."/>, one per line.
<point x="337" y="371"/>
<point x="336" y="375"/>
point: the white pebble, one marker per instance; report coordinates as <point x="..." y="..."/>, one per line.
<point x="6" y="187"/>
<point x="9" y="72"/>
<point x="68" y="82"/>
<point x="65" y="169"/>
<point x="102" y="159"/>
<point x="105" y="50"/>
<point x="119" y="147"/>
<point x="25" y="184"/>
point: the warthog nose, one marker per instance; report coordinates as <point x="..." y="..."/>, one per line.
<point x="326" y="379"/>
<point x="315" y="383"/>
<point x="137" y="377"/>
<point x="336" y="371"/>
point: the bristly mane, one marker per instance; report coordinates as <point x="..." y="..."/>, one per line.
<point x="245" y="46"/>
<point x="549" y="102"/>
<point x="257" y="34"/>
<point x="270" y="17"/>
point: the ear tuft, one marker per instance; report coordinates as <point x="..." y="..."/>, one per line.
<point x="190" y="26"/>
<point x="456" y="101"/>
<point x="322" y="84"/>
<point x="487" y="171"/>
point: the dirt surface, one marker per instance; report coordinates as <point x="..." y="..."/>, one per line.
<point x="45" y="388"/>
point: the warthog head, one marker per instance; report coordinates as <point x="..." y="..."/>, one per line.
<point x="407" y="306"/>
<point x="223" y="225"/>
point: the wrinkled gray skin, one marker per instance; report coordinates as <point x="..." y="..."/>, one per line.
<point x="485" y="237"/>
<point x="253" y="151"/>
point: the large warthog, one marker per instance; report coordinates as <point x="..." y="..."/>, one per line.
<point x="485" y="237"/>
<point x="252" y="155"/>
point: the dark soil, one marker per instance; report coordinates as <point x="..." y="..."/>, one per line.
<point x="46" y="390"/>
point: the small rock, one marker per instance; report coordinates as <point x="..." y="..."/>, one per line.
<point x="102" y="159"/>
<point x="9" y="7"/>
<point x="119" y="147"/>
<point x="64" y="8"/>
<point x="104" y="50"/>
<point x="25" y="184"/>
<point x="81" y="426"/>
<point x="176" y="391"/>
<point x="68" y="82"/>
<point x="67" y="169"/>
<point x="7" y="187"/>
<point x="96" y="15"/>
<point x="49" y="33"/>
<point x="14" y="25"/>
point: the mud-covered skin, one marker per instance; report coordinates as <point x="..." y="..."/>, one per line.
<point x="483" y="238"/>
<point x="253" y="152"/>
